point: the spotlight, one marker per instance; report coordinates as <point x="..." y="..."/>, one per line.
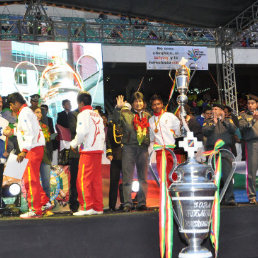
<point x="135" y="186"/>
<point x="11" y="190"/>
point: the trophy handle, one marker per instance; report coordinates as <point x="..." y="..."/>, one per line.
<point x="155" y="176"/>
<point x="231" y="174"/>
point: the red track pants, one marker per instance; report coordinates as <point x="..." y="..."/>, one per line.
<point x="89" y="181"/>
<point x="169" y="163"/>
<point x="36" y="196"/>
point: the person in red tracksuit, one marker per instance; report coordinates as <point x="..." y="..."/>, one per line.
<point x="31" y="143"/>
<point x="90" y="137"/>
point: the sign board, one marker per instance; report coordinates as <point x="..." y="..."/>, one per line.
<point x="168" y="57"/>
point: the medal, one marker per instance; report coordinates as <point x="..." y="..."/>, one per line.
<point x="156" y="130"/>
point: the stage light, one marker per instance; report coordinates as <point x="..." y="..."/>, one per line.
<point x="135" y="186"/>
<point x="11" y="190"/>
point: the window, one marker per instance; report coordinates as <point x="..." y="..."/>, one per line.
<point x="21" y="76"/>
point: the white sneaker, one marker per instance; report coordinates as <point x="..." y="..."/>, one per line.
<point x="29" y="215"/>
<point x="48" y="206"/>
<point x="97" y="212"/>
<point x="84" y="213"/>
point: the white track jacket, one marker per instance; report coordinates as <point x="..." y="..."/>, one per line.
<point x="168" y="126"/>
<point x="90" y="134"/>
<point x="29" y="133"/>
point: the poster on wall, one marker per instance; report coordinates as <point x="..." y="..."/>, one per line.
<point x="168" y="57"/>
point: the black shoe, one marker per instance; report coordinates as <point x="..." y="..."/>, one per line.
<point x="142" y="208"/>
<point x="230" y="203"/>
<point x="112" y="210"/>
<point x="127" y="209"/>
<point x="121" y="207"/>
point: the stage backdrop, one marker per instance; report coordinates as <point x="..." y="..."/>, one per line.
<point x="55" y="70"/>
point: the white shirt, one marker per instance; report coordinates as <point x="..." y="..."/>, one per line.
<point x="90" y="134"/>
<point x="29" y="133"/>
<point x="168" y="127"/>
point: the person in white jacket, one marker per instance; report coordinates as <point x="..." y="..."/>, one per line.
<point x="164" y="126"/>
<point x="31" y="144"/>
<point x="90" y="138"/>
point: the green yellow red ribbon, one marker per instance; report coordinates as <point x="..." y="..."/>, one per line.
<point x="215" y="219"/>
<point x="165" y="207"/>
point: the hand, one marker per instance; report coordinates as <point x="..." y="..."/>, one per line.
<point x="21" y="156"/>
<point x="110" y="157"/>
<point x="215" y="118"/>
<point x="5" y="154"/>
<point x="222" y="116"/>
<point x="8" y="131"/>
<point x="256" y="115"/>
<point x="120" y="101"/>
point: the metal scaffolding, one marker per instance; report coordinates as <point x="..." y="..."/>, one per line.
<point x="229" y="78"/>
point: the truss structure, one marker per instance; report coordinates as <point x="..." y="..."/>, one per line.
<point x="229" y="78"/>
<point x="106" y="32"/>
<point x="245" y="19"/>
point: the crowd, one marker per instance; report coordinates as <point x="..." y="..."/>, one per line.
<point x="127" y="137"/>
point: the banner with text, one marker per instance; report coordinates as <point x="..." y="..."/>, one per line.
<point x="168" y="57"/>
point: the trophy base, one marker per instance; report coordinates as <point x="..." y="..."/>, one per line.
<point x="189" y="252"/>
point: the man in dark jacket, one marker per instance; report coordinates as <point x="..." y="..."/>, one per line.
<point x="248" y="123"/>
<point x="220" y="127"/>
<point x="135" y="148"/>
<point x="62" y="117"/>
<point x="114" y="154"/>
<point x="74" y="162"/>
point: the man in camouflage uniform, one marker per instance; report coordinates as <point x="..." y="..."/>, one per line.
<point x="221" y="127"/>
<point x="248" y="124"/>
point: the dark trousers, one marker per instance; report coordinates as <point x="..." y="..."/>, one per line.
<point x="134" y="155"/>
<point x="252" y="166"/>
<point x="115" y="170"/>
<point x="226" y="169"/>
<point x="73" y="195"/>
<point x="1" y="182"/>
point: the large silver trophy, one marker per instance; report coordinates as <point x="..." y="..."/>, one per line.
<point x="192" y="193"/>
<point x="192" y="189"/>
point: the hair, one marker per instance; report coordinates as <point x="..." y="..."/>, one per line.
<point x="16" y="97"/>
<point x="65" y="101"/>
<point x="206" y="109"/>
<point x="137" y="95"/>
<point x="252" y="98"/>
<point x="228" y="108"/>
<point x="155" y="97"/>
<point x="85" y="98"/>
<point x="44" y="106"/>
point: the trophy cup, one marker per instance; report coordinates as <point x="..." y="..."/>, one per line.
<point x="192" y="189"/>
<point x="182" y="83"/>
<point x="192" y="193"/>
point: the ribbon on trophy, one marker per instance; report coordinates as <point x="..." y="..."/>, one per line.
<point x="215" y="218"/>
<point x="165" y="207"/>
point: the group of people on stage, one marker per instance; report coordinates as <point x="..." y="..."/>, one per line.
<point x="127" y="137"/>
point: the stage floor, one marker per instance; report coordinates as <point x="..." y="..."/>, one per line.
<point x="119" y="235"/>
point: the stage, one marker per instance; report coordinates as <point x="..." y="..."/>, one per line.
<point x="119" y="235"/>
